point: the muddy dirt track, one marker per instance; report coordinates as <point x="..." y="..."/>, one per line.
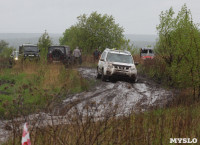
<point x="102" y="99"/>
<point x="124" y="96"/>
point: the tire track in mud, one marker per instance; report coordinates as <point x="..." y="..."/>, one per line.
<point x="127" y="97"/>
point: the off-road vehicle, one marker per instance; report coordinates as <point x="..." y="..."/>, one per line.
<point x="146" y="53"/>
<point x="116" y="64"/>
<point x="29" y="52"/>
<point x="59" y="54"/>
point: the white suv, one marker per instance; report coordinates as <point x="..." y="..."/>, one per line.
<point x="116" y="63"/>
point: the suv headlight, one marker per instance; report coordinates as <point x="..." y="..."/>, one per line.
<point x="133" y="68"/>
<point x="109" y="66"/>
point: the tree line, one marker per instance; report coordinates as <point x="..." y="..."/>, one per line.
<point x="90" y="32"/>
<point x="179" y="49"/>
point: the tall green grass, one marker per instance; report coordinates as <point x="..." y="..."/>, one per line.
<point x="154" y="127"/>
<point x="35" y="84"/>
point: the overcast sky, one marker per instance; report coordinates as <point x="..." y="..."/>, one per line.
<point x="136" y="16"/>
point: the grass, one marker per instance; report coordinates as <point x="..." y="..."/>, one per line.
<point x="179" y="119"/>
<point x="4" y="63"/>
<point x="88" y="61"/>
<point x="35" y="84"/>
<point x="154" y="127"/>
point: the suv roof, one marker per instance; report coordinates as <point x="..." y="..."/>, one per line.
<point x="147" y="48"/>
<point x="58" y="46"/>
<point x="28" y="45"/>
<point x="118" y="51"/>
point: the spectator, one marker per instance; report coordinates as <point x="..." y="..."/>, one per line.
<point x="96" y="54"/>
<point x="77" y="55"/>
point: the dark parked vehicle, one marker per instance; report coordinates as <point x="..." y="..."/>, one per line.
<point x="59" y="54"/>
<point x="29" y="52"/>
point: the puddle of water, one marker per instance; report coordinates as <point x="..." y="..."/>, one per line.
<point x="121" y="94"/>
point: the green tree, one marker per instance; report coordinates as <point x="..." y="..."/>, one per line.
<point x="179" y="46"/>
<point x="43" y="43"/>
<point x="95" y="31"/>
<point x="3" y="45"/>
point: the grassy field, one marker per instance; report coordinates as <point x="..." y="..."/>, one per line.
<point x="178" y="119"/>
<point x="154" y="127"/>
<point x="32" y="84"/>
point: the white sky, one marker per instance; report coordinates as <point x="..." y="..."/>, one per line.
<point x="136" y="16"/>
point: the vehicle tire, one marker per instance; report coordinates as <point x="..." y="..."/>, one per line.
<point x="133" y="80"/>
<point x="98" y="75"/>
<point x="103" y="77"/>
<point x="113" y="80"/>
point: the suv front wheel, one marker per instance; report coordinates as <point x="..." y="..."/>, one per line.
<point x="133" y="80"/>
<point x="98" y="75"/>
<point x="103" y="77"/>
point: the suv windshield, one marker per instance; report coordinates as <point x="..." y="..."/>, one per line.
<point x="114" y="57"/>
<point x="31" y="48"/>
<point x="144" y="51"/>
<point x="147" y="52"/>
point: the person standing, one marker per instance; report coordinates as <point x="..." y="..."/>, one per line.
<point x="77" y="55"/>
<point x="96" y="54"/>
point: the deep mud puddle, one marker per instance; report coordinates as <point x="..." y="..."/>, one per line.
<point x="123" y="96"/>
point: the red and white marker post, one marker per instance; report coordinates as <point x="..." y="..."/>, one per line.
<point x="25" y="136"/>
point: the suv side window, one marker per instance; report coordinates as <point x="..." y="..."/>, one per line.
<point x="103" y="55"/>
